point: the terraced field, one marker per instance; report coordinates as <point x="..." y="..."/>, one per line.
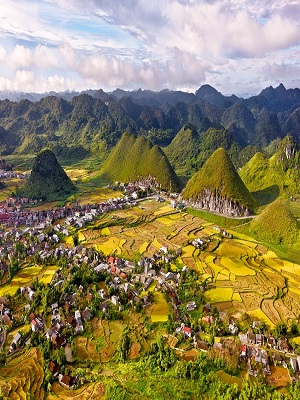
<point x="27" y="275"/>
<point x="22" y="376"/>
<point x="241" y="275"/>
<point x="246" y="277"/>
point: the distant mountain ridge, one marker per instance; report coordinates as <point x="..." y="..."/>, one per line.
<point x="92" y="121"/>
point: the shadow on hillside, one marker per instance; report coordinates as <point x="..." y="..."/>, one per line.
<point x="266" y="195"/>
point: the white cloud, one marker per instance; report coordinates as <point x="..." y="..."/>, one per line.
<point x="21" y="57"/>
<point x="150" y="44"/>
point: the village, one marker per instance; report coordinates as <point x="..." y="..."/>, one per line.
<point x="74" y="297"/>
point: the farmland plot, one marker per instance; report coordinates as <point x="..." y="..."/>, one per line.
<point x="244" y="272"/>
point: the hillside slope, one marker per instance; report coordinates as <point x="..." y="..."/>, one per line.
<point x="48" y="179"/>
<point x="276" y="224"/>
<point x="217" y="187"/>
<point x="279" y="174"/>
<point x="134" y="159"/>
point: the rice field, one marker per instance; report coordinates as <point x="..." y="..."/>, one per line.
<point x="218" y="295"/>
<point x="25" y="276"/>
<point x="160" y="310"/>
<point x="244" y="272"/>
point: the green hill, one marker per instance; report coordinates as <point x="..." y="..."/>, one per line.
<point x="184" y="148"/>
<point x="133" y="159"/>
<point x="276" y="224"/>
<point x="47" y="180"/>
<point x="217" y="187"/>
<point x="266" y="177"/>
<point x="189" y="150"/>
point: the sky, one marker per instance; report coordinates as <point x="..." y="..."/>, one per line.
<point x="236" y="46"/>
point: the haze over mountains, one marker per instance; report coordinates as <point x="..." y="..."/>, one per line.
<point x="96" y="120"/>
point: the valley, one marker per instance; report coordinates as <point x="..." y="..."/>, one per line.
<point x="239" y="278"/>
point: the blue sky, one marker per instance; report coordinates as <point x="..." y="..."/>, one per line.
<point x="237" y="46"/>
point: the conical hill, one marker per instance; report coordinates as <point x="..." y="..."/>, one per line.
<point x="276" y="224"/>
<point x="48" y="179"/>
<point x="133" y="159"/>
<point x="184" y="146"/>
<point x="218" y="187"/>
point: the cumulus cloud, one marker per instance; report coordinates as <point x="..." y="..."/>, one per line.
<point x="21" y="57"/>
<point x="151" y="44"/>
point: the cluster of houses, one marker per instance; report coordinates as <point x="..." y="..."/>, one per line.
<point x="14" y="214"/>
<point x="126" y="281"/>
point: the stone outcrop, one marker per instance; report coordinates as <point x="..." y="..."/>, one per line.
<point x="214" y="202"/>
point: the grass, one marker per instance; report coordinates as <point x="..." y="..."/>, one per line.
<point x="225" y="222"/>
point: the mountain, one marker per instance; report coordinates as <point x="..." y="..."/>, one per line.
<point x="211" y="95"/>
<point x="94" y="121"/>
<point x="276" y="224"/>
<point x="48" y="180"/>
<point x="134" y="159"/>
<point x="183" y="151"/>
<point x="189" y="150"/>
<point x="217" y="187"/>
<point x="267" y="177"/>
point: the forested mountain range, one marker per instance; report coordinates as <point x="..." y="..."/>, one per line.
<point x="94" y="121"/>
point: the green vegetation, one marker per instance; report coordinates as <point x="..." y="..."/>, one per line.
<point x="267" y="178"/>
<point x="217" y="219"/>
<point x="189" y="150"/>
<point x="276" y="224"/>
<point x="47" y="180"/>
<point x="136" y="158"/>
<point x="218" y="177"/>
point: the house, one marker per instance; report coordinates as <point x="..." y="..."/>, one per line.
<point x="79" y="326"/>
<point x="264" y="358"/>
<point x="251" y="338"/>
<point x="208" y="319"/>
<point x="186" y="331"/>
<point x="67" y="381"/>
<point x="277" y="358"/>
<point x="283" y="345"/>
<point x="58" y="340"/>
<point x="70" y="321"/>
<point x="191" y="306"/>
<point x="114" y="300"/>
<point x="102" y="293"/>
<point x="36" y="325"/>
<point x="86" y="314"/>
<point x="298" y="361"/>
<point x="169" y="276"/>
<point x="54" y="368"/>
<point x="16" y="342"/>
<point x="7" y="320"/>
<point x="243" y="350"/>
<point x="233" y="329"/>
<point x="294" y="364"/>
<point x="259" y="339"/>
<point x="31" y="294"/>
<point x="203" y="346"/>
<point x="207" y="308"/>
<point x="148" y="283"/>
<point x="271" y="342"/>
<point x="164" y="249"/>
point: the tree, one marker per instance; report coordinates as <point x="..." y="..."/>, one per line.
<point x="280" y="330"/>
<point x="124" y="346"/>
<point x="2" y="358"/>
